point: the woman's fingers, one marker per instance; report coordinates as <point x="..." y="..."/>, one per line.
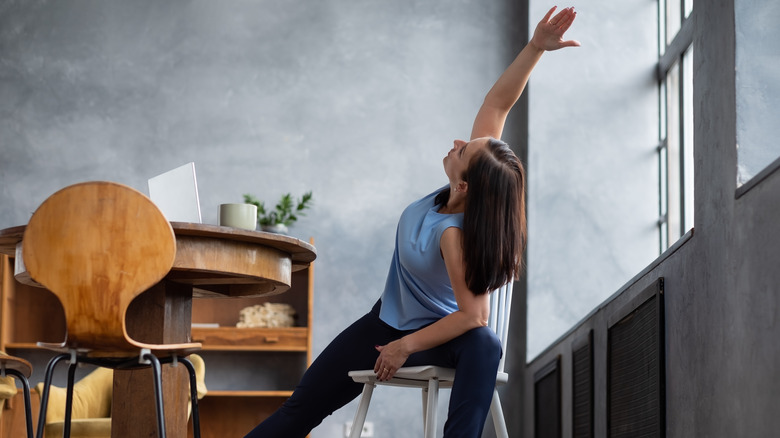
<point x="549" y="13"/>
<point x="384" y="372"/>
<point x="391" y="358"/>
<point x="387" y="373"/>
<point x="564" y="26"/>
<point x="556" y="26"/>
<point x="570" y="43"/>
<point x="563" y="19"/>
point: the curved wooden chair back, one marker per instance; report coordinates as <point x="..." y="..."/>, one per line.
<point x="96" y="246"/>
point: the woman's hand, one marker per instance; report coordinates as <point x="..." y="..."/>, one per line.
<point x="549" y="32"/>
<point x="391" y="357"/>
<point x="507" y="89"/>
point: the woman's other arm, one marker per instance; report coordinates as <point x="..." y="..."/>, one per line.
<point x="502" y="96"/>
<point x="473" y="311"/>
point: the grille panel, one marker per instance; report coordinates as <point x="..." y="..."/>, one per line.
<point x="635" y="370"/>
<point x="582" y="389"/>
<point x="547" y="401"/>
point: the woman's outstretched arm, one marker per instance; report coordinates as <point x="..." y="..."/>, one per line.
<point x="501" y="98"/>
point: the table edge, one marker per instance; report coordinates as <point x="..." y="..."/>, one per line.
<point x="300" y="251"/>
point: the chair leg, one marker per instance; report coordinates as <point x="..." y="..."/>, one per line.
<point x="193" y="397"/>
<point x="362" y="411"/>
<point x="499" y="423"/>
<point x="193" y="389"/>
<point x="27" y="404"/>
<point x="45" y="396"/>
<point x="430" y="410"/>
<point x="157" y="372"/>
<point x="69" y="398"/>
<point x="425" y="405"/>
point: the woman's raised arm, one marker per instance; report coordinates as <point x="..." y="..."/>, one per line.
<point x="502" y="96"/>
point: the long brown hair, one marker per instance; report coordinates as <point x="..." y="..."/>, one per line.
<point x="494" y="224"/>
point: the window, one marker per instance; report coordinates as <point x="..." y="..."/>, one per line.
<point x="675" y="148"/>
<point x="757" y="90"/>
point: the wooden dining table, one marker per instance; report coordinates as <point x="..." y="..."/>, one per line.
<point x="211" y="261"/>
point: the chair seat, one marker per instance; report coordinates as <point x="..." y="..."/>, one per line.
<point x="183" y="349"/>
<point x="417" y="377"/>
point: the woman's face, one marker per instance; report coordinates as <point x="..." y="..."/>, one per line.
<point x="457" y="160"/>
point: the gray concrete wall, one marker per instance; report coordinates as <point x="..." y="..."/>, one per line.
<point x="721" y="284"/>
<point x="356" y="100"/>
<point x="730" y="354"/>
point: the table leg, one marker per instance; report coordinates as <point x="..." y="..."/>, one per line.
<point x="159" y="315"/>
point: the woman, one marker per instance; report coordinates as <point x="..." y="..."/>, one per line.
<point x="453" y="247"/>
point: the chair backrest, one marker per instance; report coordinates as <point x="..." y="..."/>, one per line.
<point x="96" y="246"/>
<point x="500" y="310"/>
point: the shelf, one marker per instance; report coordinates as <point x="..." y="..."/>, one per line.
<point x="284" y="394"/>
<point x="252" y="339"/>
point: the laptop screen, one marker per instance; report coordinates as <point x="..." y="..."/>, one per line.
<point x="176" y="194"/>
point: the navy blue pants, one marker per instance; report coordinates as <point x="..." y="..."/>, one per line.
<point x="326" y="386"/>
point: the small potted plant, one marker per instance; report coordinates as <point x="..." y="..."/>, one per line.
<point x="284" y="214"/>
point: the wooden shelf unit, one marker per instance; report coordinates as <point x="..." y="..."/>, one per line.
<point x="30" y="315"/>
<point x="229" y="351"/>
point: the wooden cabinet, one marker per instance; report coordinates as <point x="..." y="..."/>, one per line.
<point x="250" y="372"/>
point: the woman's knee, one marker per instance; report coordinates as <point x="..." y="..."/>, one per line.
<point x="484" y="342"/>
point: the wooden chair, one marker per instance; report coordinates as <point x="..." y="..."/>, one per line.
<point x="21" y="370"/>
<point x="97" y="246"/>
<point x="430" y="378"/>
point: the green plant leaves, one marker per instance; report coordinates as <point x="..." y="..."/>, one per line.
<point x="286" y="210"/>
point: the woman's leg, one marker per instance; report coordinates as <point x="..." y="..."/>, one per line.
<point x="326" y="386"/>
<point x="475" y="356"/>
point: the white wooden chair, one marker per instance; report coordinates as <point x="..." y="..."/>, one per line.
<point x="430" y="378"/>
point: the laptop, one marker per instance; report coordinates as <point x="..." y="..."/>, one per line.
<point x="175" y="193"/>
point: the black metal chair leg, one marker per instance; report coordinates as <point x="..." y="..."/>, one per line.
<point x="157" y="372"/>
<point x="193" y="389"/>
<point x="27" y="403"/>
<point x="69" y="398"/>
<point x="45" y="396"/>
<point x="193" y="397"/>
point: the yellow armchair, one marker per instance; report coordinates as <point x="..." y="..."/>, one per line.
<point x="91" y="415"/>
<point x="7" y="390"/>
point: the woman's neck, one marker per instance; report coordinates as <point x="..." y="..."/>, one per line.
<point x="456" y="203"/>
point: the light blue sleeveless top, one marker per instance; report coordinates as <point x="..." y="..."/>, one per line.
<point x="418" y="290"/>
